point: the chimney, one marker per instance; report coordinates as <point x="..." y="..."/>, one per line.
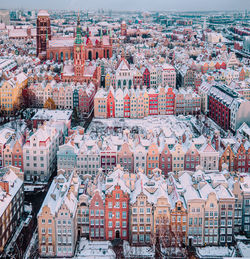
<point x="216" y="143"/>
<point x="81" y="131"/>
<point x="29" y="32"/>
<point x="5" y="186"/>
<point x="184" y="138"/>
<point x="208" y="139"/>
<point x="158" y="141"/>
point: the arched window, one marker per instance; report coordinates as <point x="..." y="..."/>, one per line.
<point x="119" y="83"/>
<point x="71" y="55"/>
<point x="130" y="83"/>
<point x="124" y="82"/>
<point x="67" y="56"/>
<point x="104" y="53"/>
<point x="108" y="53"/>
<point x="61" y="56"/>
<point x="90" y="55"/>
<point x="51" y="55"/>
<point x="96" y="55"/>
<point x="56" y="56"/>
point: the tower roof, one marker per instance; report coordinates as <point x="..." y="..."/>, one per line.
<point x="43" y="13"/>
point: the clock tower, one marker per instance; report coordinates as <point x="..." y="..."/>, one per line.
<point x="79" y="53"/>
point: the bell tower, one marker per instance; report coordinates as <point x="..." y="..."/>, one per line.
<point x="43" y="32"/>
<point x="79" y="53"/>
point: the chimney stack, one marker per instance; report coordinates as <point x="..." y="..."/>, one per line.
<point x="5" y="186"/>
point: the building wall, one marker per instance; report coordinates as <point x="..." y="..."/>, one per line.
<point x="141" y="220"/>
<point x="117" y="214"/>
<point x="96" y="217"/>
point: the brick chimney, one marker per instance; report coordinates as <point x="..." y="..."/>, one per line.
<point x="216" y="137"/>
<point x="5" y="186"/>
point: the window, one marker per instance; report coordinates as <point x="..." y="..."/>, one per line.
<point x="124" y="215"/>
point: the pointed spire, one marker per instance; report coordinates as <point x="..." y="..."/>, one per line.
<point x="87" y="31"/>
<point x="101" y="35"/>
<point x="78" y="31"/>
<point x="78" y="19"/>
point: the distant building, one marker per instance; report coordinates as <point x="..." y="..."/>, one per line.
<point x="43" y="33"/>
<point x="5" y="17"/>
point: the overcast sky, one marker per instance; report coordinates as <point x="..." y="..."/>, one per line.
<point x="164" y="5"/>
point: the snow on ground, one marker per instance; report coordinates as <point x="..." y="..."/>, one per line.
<point x="239" y="237"/>
<point x="135" y="252"/>
<point x="215" y="252"/>
<point x="95" y="249"/>
<point x="150" y="123"/>
<point x="244" y="249"/>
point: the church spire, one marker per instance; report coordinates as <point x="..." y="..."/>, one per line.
<point x="78" y="31"/>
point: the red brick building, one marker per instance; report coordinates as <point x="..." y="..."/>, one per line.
<point x="153" y="102"/>
<point x="86" y="99"/>
<point x="146" y="77"/>
<point x="117" y="214"/>
<point x="43" y="33"/>
<point x="166" y="160"/>
<point x="220" y="99"/>
<point x="96" y="217"/>
<point x="108" y="159"/>
<point x="170" y="101"/>
<point x="126" y="106"/>
<point x="241" y="159"/>
<point x="191" y="159"/>
<point x="110" y="105"/>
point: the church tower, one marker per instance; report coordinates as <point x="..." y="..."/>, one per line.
<point x="43" y="33"/>
<point x="123" y="29"/>
<point x="79" y="53"/>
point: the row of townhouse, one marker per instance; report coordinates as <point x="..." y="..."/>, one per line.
<point x="11" y="91"/>
<point x="64" y="95"/>
<point x="39" y="154"/>
<point x="170" y="154"/>
<point x="142" y="103"/>
<point x="128" y="76"/>
<point x="224" y="62"/>
<point x="226" y="108"/>
<point x="49" y="126"/>
<point x="187" y="208"/>
<point x="11" y="202"/>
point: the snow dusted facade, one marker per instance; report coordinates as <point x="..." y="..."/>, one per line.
<point x="57" y="218"/>
<point x="142" y="103"/>
<point x="39" y="153"/>
<point x="11" y="202"/>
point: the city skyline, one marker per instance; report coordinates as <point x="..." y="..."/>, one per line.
<point x="122" y="5"/>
